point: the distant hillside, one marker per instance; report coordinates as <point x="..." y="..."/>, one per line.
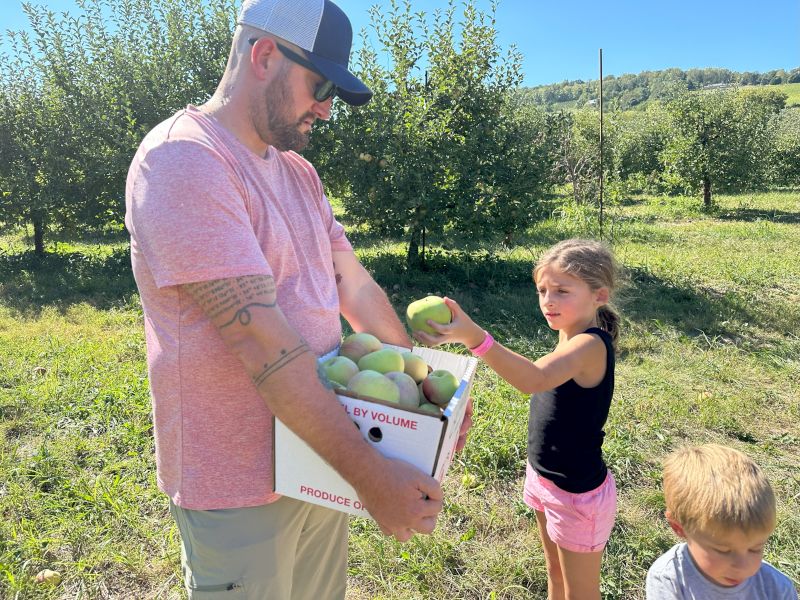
<point x="628" y="91"/>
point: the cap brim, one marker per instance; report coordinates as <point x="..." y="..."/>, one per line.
<point x="350" y="88"/>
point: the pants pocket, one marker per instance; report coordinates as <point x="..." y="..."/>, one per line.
<point x="221" y="591"/>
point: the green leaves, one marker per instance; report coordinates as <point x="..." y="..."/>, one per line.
<point x="453" y="153"/>
<point x="80" y="91"/>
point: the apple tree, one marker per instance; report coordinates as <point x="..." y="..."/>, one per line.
<point x="785" y="154"/>
<point x="79" y="93"/>
<point x="443" y="148"/>
<point x="720" y="140"/>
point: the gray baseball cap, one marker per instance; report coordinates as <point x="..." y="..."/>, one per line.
<point x="321" y="29"/>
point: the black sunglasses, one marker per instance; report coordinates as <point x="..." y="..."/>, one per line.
<point x="324" y="90"/>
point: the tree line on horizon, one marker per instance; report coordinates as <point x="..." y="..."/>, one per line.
<point x="630" y="90"/>
<point x="442" y="150"/>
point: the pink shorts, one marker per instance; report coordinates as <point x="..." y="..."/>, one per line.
<point x="575" y="522"/>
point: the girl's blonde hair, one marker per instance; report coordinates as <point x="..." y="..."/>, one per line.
<point x="593" y="263"/>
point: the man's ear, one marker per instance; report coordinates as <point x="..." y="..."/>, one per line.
<point x="676" y="527"/>
<point x="260" y="54"/>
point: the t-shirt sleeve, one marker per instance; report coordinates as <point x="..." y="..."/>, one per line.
<point x="660" y="583"/>
<point x="189" y="216"/>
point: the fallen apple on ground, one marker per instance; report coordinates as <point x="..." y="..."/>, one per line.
<point x="430" y="307"/>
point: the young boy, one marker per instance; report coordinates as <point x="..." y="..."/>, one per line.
<point x="721" y="503"/>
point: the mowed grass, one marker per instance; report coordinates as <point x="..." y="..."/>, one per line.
<point x="792" y="90"/>
<point x="710" y="352"/>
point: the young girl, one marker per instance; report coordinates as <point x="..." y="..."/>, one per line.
<point x="567" y="482"/>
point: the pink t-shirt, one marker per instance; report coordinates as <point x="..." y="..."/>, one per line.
<point x="202" y="206"/>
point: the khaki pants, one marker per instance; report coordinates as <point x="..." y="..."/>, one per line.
<point x="287" y="550"/>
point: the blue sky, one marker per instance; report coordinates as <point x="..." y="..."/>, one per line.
<point x="560" y="40"/>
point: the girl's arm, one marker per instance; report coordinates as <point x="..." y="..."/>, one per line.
<point x="569" y="360"/>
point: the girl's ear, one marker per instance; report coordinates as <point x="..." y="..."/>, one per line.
<point x="601" y="296"/>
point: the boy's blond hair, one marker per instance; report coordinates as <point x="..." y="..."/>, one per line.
<point x="712" y="487"/>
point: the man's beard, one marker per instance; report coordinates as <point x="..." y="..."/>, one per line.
<point x="279" y="129"/>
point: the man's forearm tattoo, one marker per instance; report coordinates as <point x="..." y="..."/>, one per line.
<point x="338" y="275"/>
<point x="286" y="356"/>
<point x="222" y="296"/>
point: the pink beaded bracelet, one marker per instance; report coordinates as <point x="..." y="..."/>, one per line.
<point x="484" y="346"/>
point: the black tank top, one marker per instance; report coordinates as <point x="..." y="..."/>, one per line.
<point x="565" y="429"/>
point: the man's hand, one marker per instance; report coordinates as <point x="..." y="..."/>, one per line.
<point x="402" y="499"/>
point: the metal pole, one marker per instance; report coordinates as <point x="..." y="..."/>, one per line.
<point x="601" y="142"/>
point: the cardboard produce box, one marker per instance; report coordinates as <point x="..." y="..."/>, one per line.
<point x="423" y="439"/>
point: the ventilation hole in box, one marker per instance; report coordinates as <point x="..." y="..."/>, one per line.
<point x="375" y="434"/>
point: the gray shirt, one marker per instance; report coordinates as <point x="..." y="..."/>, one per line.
<point x="674" y="576"/>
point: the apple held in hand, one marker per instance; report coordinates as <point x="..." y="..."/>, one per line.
<point x="356" y="345"/>
<point x="415" y="366"/>
<point x="340" y="369"/>
<point x="409" y="394"/>
<point x="374" y="385"/>
<point x="382" y="361"/>
<point x="431" y="307"/>
<point x="439" y="387"/>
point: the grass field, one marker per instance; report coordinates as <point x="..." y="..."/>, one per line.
<point x="792" y="90"/>
<point x="710" y="352"/>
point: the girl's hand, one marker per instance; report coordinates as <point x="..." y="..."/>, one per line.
<point x="461" y="330"/>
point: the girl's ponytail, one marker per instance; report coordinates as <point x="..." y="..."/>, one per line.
<point x="608" y="320"/>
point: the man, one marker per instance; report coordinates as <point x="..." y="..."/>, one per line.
<point x="243" y="272"/>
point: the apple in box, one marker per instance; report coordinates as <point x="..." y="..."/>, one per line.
<point x="439" y="387"/>
<point x="409" y="394"/>
<point x="382" y="361"/>
<point x="374" y="385"/>
<point x="356" y="345"/>
<point x="414" y="366"/>
<point x="340" y="369"/>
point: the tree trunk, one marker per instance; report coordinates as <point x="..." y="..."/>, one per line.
<point x="415" y="259"/>
<point x="412" y="256"/>
<point x="38" y="234"/>
<point x="707" y="201"/>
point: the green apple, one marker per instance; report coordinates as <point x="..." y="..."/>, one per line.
<point x="430" y="307"/>
<point x="431" y="408"/>
<point x="374" y="385"/>
<point x="409" y="394"/>
<point x="356" y="345"/>
<point x="48" y="577"/>
<point x="340" y="369"/>
<point x="382" y="361"/>
<point x="415" y="366"/>
<point x="440" y="386"/>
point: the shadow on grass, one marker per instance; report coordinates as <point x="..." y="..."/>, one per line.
<point x="29" y="283"/>
<point x="502" y="289"/>
<point x="500" y="286"/>
<point x="756" y="214"/>
<point x="694" y="312"/>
